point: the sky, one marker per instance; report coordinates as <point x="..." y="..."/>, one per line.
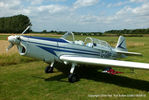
<point x="80" y="15"/>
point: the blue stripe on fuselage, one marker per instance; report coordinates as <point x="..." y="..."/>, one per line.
<point x="48" y="49"/>
<point x="80" y="51"/>
<point x="65" y="47"/>
<point x="48" y="39"/>
<point x="54" y="49"/>
<point x="70" y="51"/>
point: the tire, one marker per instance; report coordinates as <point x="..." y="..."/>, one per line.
<point x="49" y="69"/>
<point x="73" y="78"/>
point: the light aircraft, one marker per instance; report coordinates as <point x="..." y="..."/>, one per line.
<point x="69" y="51"/>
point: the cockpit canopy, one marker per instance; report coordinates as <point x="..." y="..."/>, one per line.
<point x="69" y="36"/>
<point x="95" y="41"/>
<point x="90" y="42"/>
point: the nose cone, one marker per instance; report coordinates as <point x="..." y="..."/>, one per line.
<point x="11" y="38"/>
<point x="14" y="39"/>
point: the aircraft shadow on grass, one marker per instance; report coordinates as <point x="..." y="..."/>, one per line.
<point x="92" y="73"/>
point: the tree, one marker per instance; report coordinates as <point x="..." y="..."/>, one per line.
<point x="44" y="31"/>
<point x="14" y="24"/>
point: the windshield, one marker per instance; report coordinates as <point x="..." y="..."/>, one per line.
<point x="69" y="36"/>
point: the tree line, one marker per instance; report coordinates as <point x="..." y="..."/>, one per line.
<point x="14" y="24"/>
<point x="17" y="23"/>
<point x="76" y="33"/>
<point x="129" y="31"/>
<point x="126" y="32"/>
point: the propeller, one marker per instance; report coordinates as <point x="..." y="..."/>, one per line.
<point x="26" y="29"/>
<point x="15" y="39"/>
<point x="10" y="46"/>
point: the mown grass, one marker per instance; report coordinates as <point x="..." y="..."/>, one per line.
<point x="14" y="59"/>
<point x="23" y="78"/>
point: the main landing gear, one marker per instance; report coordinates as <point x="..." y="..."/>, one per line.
<point x="49" y="69"/>
<point x="73" y="77"/>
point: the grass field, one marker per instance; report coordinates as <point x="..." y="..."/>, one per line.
<point x="23" y="78"/>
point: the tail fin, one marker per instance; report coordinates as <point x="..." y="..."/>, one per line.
<point x="122" y="49"/>
<point x="121" y="44"/>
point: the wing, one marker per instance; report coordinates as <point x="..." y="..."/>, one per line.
<point x="103" y="62"/>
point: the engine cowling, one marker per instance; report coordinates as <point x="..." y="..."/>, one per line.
<point x="22" y="49"/>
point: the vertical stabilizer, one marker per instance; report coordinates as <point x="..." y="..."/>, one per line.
<point x="121" y="44"/>
<point x="122" y="49"/>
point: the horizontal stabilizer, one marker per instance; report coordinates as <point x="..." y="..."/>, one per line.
<point x="129" y="53"/>
<point x="103" y="62"/>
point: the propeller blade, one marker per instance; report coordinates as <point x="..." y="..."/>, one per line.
<point x="26" y="29"/>
<point x="10" y="46"/>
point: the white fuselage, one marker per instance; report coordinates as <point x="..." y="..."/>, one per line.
<point x="50" y="49"/>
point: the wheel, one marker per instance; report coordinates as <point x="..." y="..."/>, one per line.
<point x="73" y="78"/>
<point x="49" y="69"/>
<point x="107" y="68"/>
